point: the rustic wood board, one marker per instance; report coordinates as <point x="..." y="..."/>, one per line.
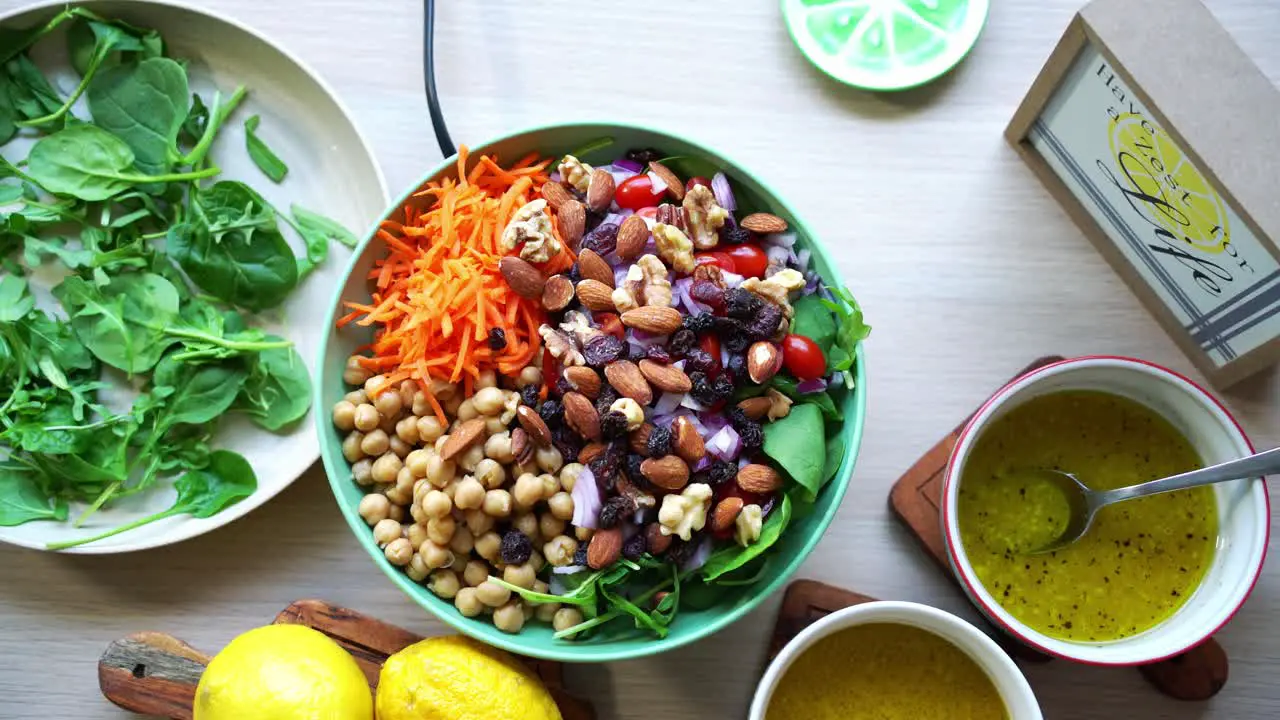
<point x="1197" y="674"/>
<point x="805" y="603"/>
<point x="156" y="674"/>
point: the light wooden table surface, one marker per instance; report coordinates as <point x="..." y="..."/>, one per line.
<point x="966" y="268"/>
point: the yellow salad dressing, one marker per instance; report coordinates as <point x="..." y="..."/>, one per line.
<point x="884" y="671"/>
<point x="1139" y="562"/>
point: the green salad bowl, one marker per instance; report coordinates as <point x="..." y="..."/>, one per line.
<point x="619" y="640"/>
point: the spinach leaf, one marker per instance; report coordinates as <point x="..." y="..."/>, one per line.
<point x="89" y="163"/>
<point x="201" y="493"/>
<point x="732" y="557"/>
<point x="52" y="431"/>
<point x="835" y="458"/>
<point x="29" y="90"/>
<point x="218" y="114"/>
<point x="796" y="442"/>
<point x="80" y="45"/>
<point x="278" y="389"/>
<point x="788" y="386"/>
<point x="144" y="105"/>
<point x="56" y="340"/>
<point x="15" y="40"/>
<point x="21" y="500"/>
<point x="813" y="320"/>
<point x="700" y="595"/>
<point x="201" y="393"/>
<point x="107" y="39"/>
<point x="123" y="324"/>
<point x="8" y="114"/>
<point x="196" y="121"/>
<point x="267" y="161"/>
<point x="642" y="618"/>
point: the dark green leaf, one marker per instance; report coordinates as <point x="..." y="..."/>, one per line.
<point x="201" y="392"/>
<point x="278" y="389"/>
<point x="29" y="90"/>
<point x="267" y="161"/>
<point x="642" y="618"/>
<point x="35" y="249"/>
<point x="8" y="113"/>
<point x="89" y="163"/>
<point x="80" y="45"/>
<point x="22" y="500"/>
<point x="144" y="105"/>
<point x="197" y="119"/>
<point x="15" y="300"/>
<point x="796" y="442"/>
<point x="321" y="225"/>
<point x="732" y="557"/>
<point x="814" y="320"/>
<point x="123" y="324"/>
<point x="788" y="386"/>
<point x="835" y="458"/>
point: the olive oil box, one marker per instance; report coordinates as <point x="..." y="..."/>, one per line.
<point x="1162" y="140"/>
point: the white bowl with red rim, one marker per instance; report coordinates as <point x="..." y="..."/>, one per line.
<point x="1243" y="506"/>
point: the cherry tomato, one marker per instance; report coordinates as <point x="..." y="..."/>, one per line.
<point x="611" y="324"/>
<point x="711" y="345"/>
<point x="697" y="180"/>
<point x="716" y="257"/>
<point x="749" y="259"/>
<point x="550" y="369"/>
<point x="803" y="358"/>
<point x="636" y="193"/>
<point x="650" y="212"/>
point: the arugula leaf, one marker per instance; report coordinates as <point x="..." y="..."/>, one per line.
<point x="732" y="557"/>
<point x="277" y="391"/>
<point x="796" y="442"/>
<point x="144" y="105"/>
<point x="123" y="324"/>
<point x="21" y="500"/>
<point x="813" y="320"/>
<point x="852" y="330"/>
<point x="267" y="161"/>
<point x="15" y="301"/>
<point x="643" y="619"/>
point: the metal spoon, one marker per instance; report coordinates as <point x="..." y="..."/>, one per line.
<point x="1085" y="503"/>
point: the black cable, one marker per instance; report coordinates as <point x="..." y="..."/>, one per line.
<point x="429" y="77"/>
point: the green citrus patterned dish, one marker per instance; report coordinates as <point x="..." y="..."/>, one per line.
<point x="705" y="604"/>
<point x="885" y="44"/>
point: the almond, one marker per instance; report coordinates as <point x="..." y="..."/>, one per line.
<point x="590" y="452"/>
<point x="638" y="439"/>
<point x="725" y="513"/>
<point x="764" y="223"/>
<point x="668" y="178"/>
<point x="596" y="295"/>
<point x="556" y="195"/>
<point x="654" y="541"/>
<point x="763" y="361"/>
<point x="759" y="479"/>
<point x="632" y="236"/>
<point x="573" y="222"/>
<point x="653" y="319"/>
<point x="462" y="437"/>
<point x="669" y="214"/>
<point x="605" y="547"/>
<point x="755" y="407"/>
<point x="525" y="279"/>
<point x="557" y="293"/>
<point x="533" y="424"/>
<point x="592" y="266"/>
<point x="686" y="442"/>
<point x="625" y="377"/>
<point x="600" y="191"/>
<point x="583" y="379"/>
<point x="521" y="446"/>
<point x="580" y="415"/>
<point x="666" y="378"/>
<point x="668" y="472"/>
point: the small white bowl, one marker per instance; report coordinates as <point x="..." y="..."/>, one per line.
<point x="1243" y="507"/>
<point x="1019" y="702"/>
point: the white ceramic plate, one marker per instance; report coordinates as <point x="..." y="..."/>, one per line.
<point x="331" y="171"/>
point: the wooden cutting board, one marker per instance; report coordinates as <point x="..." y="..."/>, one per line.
<point x="156" y="674"/>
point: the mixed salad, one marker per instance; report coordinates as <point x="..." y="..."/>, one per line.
<point x="595" y="394"/>
<point x="154" y="262"/>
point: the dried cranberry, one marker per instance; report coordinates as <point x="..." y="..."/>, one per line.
<point x="516" y="548"/>
<point x="613" y="425"/>
<point x="603" y="349"/>
<point x="681" y="341"/>
<point x="707" y="293"/>
<point x="658" y="354"/>
<point x="741" y="304"/>
<point x="497" y="339"/>
<point x="765" y="324"/>
<point x="632" y="549"/>
<point x="615" y="510"/>
<point x="603" y="240"/>
<point x="659" y="442"/>
<point x="699" y="323"/>
<point x="698" y="360"/>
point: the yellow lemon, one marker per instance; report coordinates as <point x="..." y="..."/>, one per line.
<point x="457" y="678"/>
<point x="283" y="672"/>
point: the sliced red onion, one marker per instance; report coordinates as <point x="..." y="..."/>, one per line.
<point x="702" y="464"/>
<point x="615" y="218"/>
<point x="724" y="194"/>
<point x="809" y="387"/>
<point x="639" y="517"/>
<point x="586" y="500"/>
<point x="802" y="259"/>
<point x="556" y="177"/>
<point x="620" y="174"/>
<point x="724" y="356"/>
<point x="700" y="555"/>
<point x="659" y="186"/>
<point x="650" y="245"/>
<point x="619" y="271"/>
<point x="567" y="570"/>
<point x="693" y="307"/>
<point x="836" y="379"/>
<point x="667" y="404"/>
<point x="725" y="444"/>
<point x="787" y="239"/>
<point x="713" y="421"/>
<point x="812" y="280"/>
<point x="779" y="254"/>
<point x="624" y="163"/>
<point x="731" y="280"/>
<point x="687" y="400"/>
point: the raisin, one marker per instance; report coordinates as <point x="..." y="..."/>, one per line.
<point x="613" y="425"/>
<point x="644" y="156"/>
<point x="562" y="387"/>
<point x="516" y="548"/>
<point x="632" y="549"/>
<point x="752" y="437"/>
<point x="529" y="395"/>
<point x="722" y="386"/>
<point x="633" y="469"/>
<point x="605" y="400"/>
<point x="681" y="551"/>
<point x="737" y="417"/>
<point x="681" y="341"/>
<point x="700" y="323"/>
<point x="636" y="353"/>
<point x="736" y="342"/>
<point x="698" y="360"/>
<point x="603" y="349"/>
<point x="603" y="240"/>
<point x="741" y="304"/>
<point x="765" y="323"/>
<point x="707" y="293"/>
<point x="615" y="510"/>
<point x="497" y="339"/>
<point x="733" y="234"/>
<point x="551" y="412"/>
<point x="574" y="274"/>
<point x="605" y="469"/>
<point x="703" y="390"/>
<point x="717" y="473"/>
<point x="580" y="555"/>
<point x="659" y="442"/>
<point x="737" y="366"/>
<point x="658" y="354"/>
<point x="567" y="442"/>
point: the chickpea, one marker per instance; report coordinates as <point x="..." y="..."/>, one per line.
<point x="399" y="498"/>
<point x="399" y="552"/>
<point x="471" y="457"/>
<point x="559" y="550"/>
<point x="374" y="385"/>
<point x="526" y="523"/>
<point x="396" y="512"/>
<point x="452" y="404"/>
<point x="527" y="609"/>
<point x="429" y="429"/>
<point x="374" y="508"/>
<point x="469" y="495"/>
<point x="475" y="572"/>
<point x="583" y="534"/>
<point x="441" y="529"/>
<point x="344" y="416"/>
<point x="493" y="424"/>
<point x="419" y="405"/>
<point x="459" y="563"/>
<point x="529" y="468"/>
<point x="498" y="447"/>
<point x="354" y="373"/>
<point x="386" y="531"/>
<point x="487" y="379"/>
<point x="442" y="389"/>
<point x="520" y="575"/>
<point x="490" y="474"/>
<point x="417" y="534"/>
<point x="488" y="545"/>
<point x="399" y="447"/>
<point x="463" y="541"/>
<point x="388" y="404"/>
<point x="550" y="485"/>
<point x="549" y="459"/>
<point x="478" y="522"/>
<point x="546" y="612"/>
<point x="569" y="475"/>
<point x="561" y="505"/>
<point x="536" y="561"/>
<point x="356" y="397"/>
<point x="362" y="472"/>
<point x="451" y="488"/>
<point x="434" y="555"/>
<point x="550" y="526"/>
<point x="440" y="471"/>
<point x="467" y="411"/>
<point x="416" y="569"/>
<point x="541" y="587"/>
<point x="531" y="375"/>
<point x="407" y="430"/>
<point x="415" y="512"/>
<point x="445" y="584"/>
<point x="497" y="503"/>
<point x="492" y="594"/>
<point x="488" y="401"/>
<point x="527" y="491"/>
<point x="388" y="425"/>
<point x="467" y="602"/>
<point x="436" y="504"/>
<point x="416" y="461"/>
<point x="375" y="442"/>
<point x="366" y="417"/>
<point x="565" y="618"/>
<point x="351" y="446"/>
<point x="420" y="487"/>
<point x="386" y="468"/>
<point x="509" y="618"/>
<point x="408" y="389"/>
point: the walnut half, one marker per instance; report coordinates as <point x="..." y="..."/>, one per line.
<point x="561" y="346"/>
<point x="674" y="247"/>
<point x="531" y="225"/>
<point x="575" y="172"/>
<point x="704" y="217"/>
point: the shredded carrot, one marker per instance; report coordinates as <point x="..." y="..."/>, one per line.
<point x="437" y="293"/>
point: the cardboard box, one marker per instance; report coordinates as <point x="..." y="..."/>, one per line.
<point x="1162" y="140"/>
